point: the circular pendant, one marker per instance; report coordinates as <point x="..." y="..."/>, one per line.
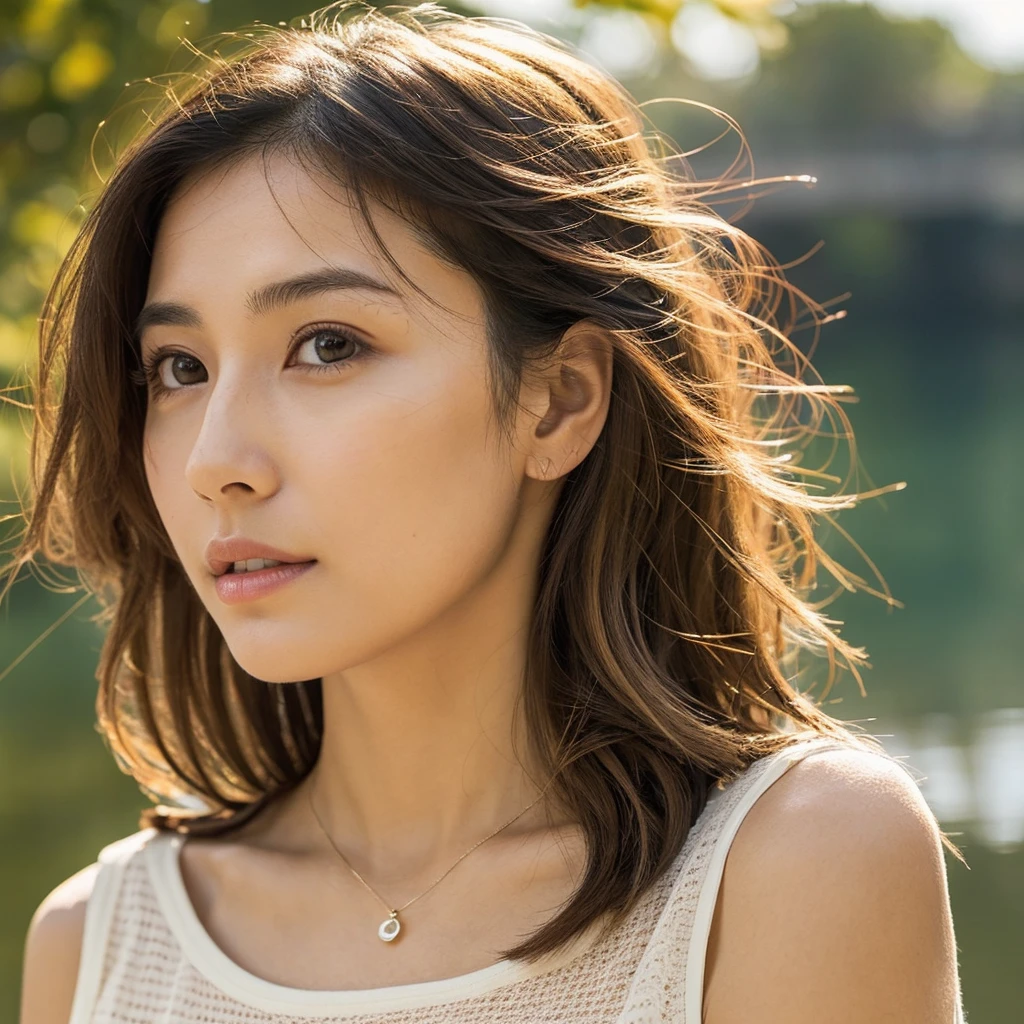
<point x="390" y="928"/>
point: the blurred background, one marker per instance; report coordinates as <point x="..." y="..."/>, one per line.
<point x="910" y="115"/>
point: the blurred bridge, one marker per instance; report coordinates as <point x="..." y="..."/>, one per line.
<point x="986" y="181"/>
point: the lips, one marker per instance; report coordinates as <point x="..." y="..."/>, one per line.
<point x="222" y="553"/>
<point x="243" y="587"/>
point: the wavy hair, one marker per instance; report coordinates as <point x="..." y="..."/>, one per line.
<point x="675" y="578"/>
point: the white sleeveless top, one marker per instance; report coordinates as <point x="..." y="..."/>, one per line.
<point x="147" y="958"/>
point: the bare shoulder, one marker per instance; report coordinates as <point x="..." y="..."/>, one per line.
<point x="834" y="903"/>
<point x="875" y="798"/>
<point x="53" y="948"/>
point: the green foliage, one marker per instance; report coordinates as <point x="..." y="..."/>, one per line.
<point x="753" y="12"/>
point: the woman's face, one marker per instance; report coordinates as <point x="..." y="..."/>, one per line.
<point x="349" y="426"/>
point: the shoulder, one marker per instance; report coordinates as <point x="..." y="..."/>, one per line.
<point x="53" y="948"/>
<point x="53" y="944"/>
<point x="870" y="796"/>
<point x="855" y="810"/>
<point x="833" y="902"/>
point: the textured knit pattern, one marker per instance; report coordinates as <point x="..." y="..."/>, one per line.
<point x="155" y="982"/>
<point x="660" y="989"/>
<point x="636" y="974"/>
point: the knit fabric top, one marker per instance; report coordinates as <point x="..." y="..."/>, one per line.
<point x="147" y="959"/>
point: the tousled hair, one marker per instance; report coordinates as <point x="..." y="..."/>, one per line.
<point x="675" y="578"/>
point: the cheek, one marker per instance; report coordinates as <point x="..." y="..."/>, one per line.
<point x="415" y="509"/>
<point x="163" y="461"/>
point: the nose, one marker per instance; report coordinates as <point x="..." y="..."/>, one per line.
<point x="230" y="458"/>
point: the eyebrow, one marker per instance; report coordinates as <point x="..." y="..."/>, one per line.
<point x="268" y="297"/>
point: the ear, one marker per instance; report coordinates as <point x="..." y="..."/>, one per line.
<point x="572" y="400"/>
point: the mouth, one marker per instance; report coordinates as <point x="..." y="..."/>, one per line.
<point x="247" y="581"/>
<point x="239" y="555"/>
<point x="256" y="564"/>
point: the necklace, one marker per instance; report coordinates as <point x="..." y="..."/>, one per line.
<point x="391" y="926"/>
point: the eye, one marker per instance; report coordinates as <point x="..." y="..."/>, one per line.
<point x="169" y="371"/>
<point x="329" y="346"/>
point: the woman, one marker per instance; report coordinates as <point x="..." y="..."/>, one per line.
<point x="415" y="423"/>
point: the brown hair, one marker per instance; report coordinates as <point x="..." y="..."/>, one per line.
<point x="674" y="582"/>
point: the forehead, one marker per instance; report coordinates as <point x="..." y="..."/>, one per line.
<point x="262" y="219"/>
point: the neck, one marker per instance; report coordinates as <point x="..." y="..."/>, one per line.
<point x="424" y="750"/>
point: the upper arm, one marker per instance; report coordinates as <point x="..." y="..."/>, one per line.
<point x="834" y="903"/>
<point x="53" y="948"/>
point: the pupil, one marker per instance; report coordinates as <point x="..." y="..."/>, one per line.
<point x="187" y="364"/>
<point x="333" y="343"/>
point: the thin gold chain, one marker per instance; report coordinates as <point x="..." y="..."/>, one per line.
<point x="397" y="910"/>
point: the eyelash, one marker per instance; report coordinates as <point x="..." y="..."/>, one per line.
<point x="149" y="377"/>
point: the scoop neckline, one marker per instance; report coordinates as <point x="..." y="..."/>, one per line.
<point x="162" y="857"/>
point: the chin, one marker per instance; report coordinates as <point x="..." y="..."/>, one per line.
<point x="276" y="661"/>
<point x="259" y="669"/>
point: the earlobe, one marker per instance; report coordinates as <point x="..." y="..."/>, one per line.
<point x="544" y="468"/>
